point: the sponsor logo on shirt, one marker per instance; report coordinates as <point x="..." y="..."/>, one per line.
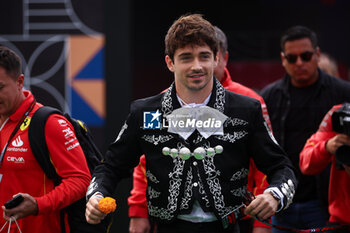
<point x="15" y="159"/>
<point x="25" y="123"/>
<point x="62" y="123"/>
<point x="17" y="142"/>
<point x="73" y="146"/>
<point x="68" y="133"/>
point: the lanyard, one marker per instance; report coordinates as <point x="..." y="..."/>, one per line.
<point x="30" y="108"/>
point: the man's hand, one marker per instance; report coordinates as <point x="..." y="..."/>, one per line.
<point x="27" y="207"/>
<point x="92" y="213"/>
<point x="335" y="142"/>
<point x="263" y="206"/>
<point x="139" y="225"/>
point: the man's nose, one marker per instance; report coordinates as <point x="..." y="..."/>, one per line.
<point x="196" y="65"/>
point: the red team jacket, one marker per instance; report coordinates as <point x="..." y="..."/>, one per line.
<point x="20" y="172"/>
<point x="314" y="158"/>
<point x="256" y="180"/>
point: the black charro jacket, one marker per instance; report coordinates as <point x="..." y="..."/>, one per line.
<point x="327" y="91"/>
<point x="217" y="182"/>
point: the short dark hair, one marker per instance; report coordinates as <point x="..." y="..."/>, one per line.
<point x="10" y="61"/>
<point x="190" y="29"/>
<point x="222" y="39"/>
<point x="298" y="32"/>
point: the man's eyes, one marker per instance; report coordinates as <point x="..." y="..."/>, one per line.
<point x="203" y="57"/>
<point x="186" y="58"/>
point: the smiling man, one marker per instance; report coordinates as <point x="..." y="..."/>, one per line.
<point x="196" y="176"/>
<point x="296" y="105"/>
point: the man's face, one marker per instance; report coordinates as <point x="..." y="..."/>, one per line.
<point x="303" y="73"/>
<point x="193" y="68"/>
<point x="10" y="93"/>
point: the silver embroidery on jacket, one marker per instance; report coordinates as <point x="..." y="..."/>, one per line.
<point x="215" y="187"/>
<point x="240" y="191"/>
<point x="241" y="174"/>
<point x="151" y="177"/>
<point x="234" y="122"/>
<point x="187" y="191"/>
<point x="232" y="138"/>
<point x="124" y="127"/>
<point x="198" y="139"/>
<point x="175" y="183"/>
<point x="202" y="192"/>
<point x="156" y="139"/>
<point x="220" y="97"/>
<point x="167" y="102"/>
<point x="174" y="190"/>
<point x="161" y="213"/>
<point x="152" y="193"/>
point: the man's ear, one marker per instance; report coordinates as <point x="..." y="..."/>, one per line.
<point x="169" y="63"/>
<point x="283" y="59"/>
<point x="20" y="81"/>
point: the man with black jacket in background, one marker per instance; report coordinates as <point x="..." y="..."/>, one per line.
<point x="296" y="105"/>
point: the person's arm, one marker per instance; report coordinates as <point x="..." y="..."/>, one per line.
<point x="270" y="159"/>
<point x="121" y="157"/>
<point x="137" y="201"/>
<point x="70" y="163"/>
<point x="259" y="178"/>
<point x="315" y="157"/>
<point x="138" y="211"/>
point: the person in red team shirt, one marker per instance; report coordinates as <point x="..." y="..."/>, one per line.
<point x="257" y="183"/>
<point x="318" y="152"/>
<point x="19" y="170"/>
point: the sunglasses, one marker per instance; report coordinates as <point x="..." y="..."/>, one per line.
<point x="292" y="58"/>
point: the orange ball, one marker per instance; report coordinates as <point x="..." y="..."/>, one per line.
<point x="107" y="205"/>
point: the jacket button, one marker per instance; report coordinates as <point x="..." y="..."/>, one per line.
<point x="194" y="163"/>
<point x="195" y="184"/>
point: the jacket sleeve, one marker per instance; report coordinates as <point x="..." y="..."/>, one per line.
<point x="256" y="179"/>
<point x="314" y="157"/>
<point x="270" y="158"/>
<point x="120" y="159"/>
<point x="137" y="201"/>
<point x="69" y="161"/>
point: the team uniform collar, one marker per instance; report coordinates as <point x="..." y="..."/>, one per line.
<point x="226" y="80"/>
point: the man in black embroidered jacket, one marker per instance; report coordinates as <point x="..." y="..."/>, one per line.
<point x="198" y="139"/>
